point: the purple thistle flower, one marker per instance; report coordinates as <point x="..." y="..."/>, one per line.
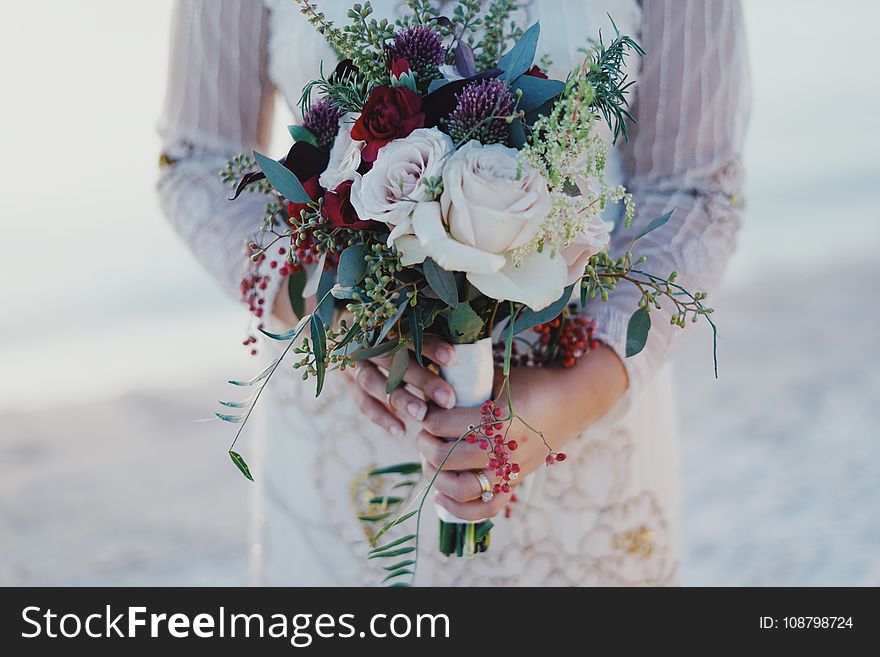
<point x="423" y="48"/>
<point x="477" y="103"/>
<point x="322" y="121"/>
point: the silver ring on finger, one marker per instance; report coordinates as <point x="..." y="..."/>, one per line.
<point x="485" y="485"/>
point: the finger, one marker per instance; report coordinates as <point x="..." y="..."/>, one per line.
<point x="432" y="385"/>
<point x="462" y="486"/>
<point x="379" y="415"/>
<point x="473" y="510"/>
<point x="450" y="423"/>
<point x="374" y="383"/>
<point x="437" y="350"/>
<point x="463" y="456"/>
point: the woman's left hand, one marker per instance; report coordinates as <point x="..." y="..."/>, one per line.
<point x="559" y="402"/>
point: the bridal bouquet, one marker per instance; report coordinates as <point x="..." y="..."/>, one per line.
<point x="441" y="183"/>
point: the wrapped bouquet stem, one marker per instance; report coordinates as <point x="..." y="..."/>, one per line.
<point x="471" y="376"/>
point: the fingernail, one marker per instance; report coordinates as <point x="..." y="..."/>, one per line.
<point x="396" y="431"/>
<point x="445" y="355"/>
<point x="443" y="397"/>
<point x="417" y="410"/>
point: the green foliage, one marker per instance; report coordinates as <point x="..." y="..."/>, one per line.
<point x="498" y="32"/>
<point x="241" y="465"/>
<point x="299" y="133"/>
<point x="296" y="283"/>
<point x="637" y="331"/>
<point x="465" y="325"/>
<point x="347" y="92"/>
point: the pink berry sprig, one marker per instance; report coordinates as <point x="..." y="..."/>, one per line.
<point x="488" y="437"/>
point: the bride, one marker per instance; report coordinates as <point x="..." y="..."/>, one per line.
<point x="608" y="515"/>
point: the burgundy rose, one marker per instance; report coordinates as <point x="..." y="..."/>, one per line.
<point x="536" y="72"/>
<point x="389" y="113"/>
<point x="313" y="189"/>
<point x="339" y="210"/>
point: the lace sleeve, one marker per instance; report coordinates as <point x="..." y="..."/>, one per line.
<point x="218" y="104"/>
<point x="691" y="105"/>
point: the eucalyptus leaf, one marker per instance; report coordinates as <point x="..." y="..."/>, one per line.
<point x="240" y="464"/>
<point x="465" y="325"/>
<point x="325" y="307"/>
<point x="465" y="62"/>
<point x="653" y="225"/>
<point x="441" y="281"/>
<point x="319" y="350"/>
<point x="637" y="331"/>
<point x="392" y="553"/>
<point x="521" y="57"/>
<point x="529" y="318"/>
<point x="392" y="525"/>
<point x="416" y="329"/>
<point x="259" y="377"/>
<point x="398" y="573"/>
<point x="374" y="352"/>
<point x="397" y="369"/>
<point x="284" y="182"/>
<point x="400" y="468"/>
<point x="340" y="292"/>
<point x="301" y="133"/>
<point x="392" y="321"/>
<point x="536" y="91"/>
<point x="296" y="283"/>
<point x="392" y="544"/>
<point x="352" y="266"/>
<point x="517" y="135"/>
<point x="292" y="334"/>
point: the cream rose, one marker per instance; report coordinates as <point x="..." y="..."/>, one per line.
<point x="391" y="190"/>
<point x="491" y="204"/>
<point x="594" y="238"/>
<point x="345" y="155"/>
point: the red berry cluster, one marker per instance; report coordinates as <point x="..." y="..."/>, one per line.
<point x="487" y="437"/>
<point x="573" y="335"/>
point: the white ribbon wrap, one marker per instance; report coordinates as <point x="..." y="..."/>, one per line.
<point x="471" y="376"/>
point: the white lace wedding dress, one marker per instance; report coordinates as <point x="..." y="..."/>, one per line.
<point x="609" y="515"/>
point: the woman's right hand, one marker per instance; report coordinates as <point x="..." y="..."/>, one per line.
<point x="368" y="378"/>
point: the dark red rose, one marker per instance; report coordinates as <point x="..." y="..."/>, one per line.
<point x="313" y="189"/>
<point x="339" y="210"/>
<point x="399" y="67"/>
<point x="536" y="72"/>
<point x="389" y="113"/>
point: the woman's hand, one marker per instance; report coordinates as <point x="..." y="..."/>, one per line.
<point x="559" y="402"/>
<point x="368" y="379"/>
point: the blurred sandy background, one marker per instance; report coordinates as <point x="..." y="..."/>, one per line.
<point x="113" y="343"/>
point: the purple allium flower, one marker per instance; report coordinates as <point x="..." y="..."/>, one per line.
<point x="477" y="102"/>
<point x="423" y="48"/>
<point x="322" y="121"/>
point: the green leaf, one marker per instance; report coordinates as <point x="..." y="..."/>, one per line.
<point x="465" y="325"/>
<point x="529" y="318"/>
<point x="319" y="349"/>
<point x="352" y="266"/>
<point x="654" y="225"/>
<point x="400" y="585"/>
<point x="391" y="525"/>
<point x="392" y="321"/>
<point x="241" y="465"/>
<point x="536" y="91"/>
<point x="392" y="553"/>
<point x="283" y="180"/>
<point x="517" y="137"/>
<point x="637" y="332"/>
<point x="400" y="468"/>
<point x="375" y="518"/>
<point x="482" y="529"/>
<point x="393" y="544"/>
<point x="292" y="334"/>
<point x="398" y="573"/>
<point x="325" y="308"/>
<point x="441" y="281"/>
<point x="232" y="419"/>
<point x="301" y="133"/>
<point x="296" y="283"/>
<point x="259" y="377"/>
<point x="374" y="352"/>
<point x="397" y="369"/>
<point x="402" y="564"/>
<point x="387" y="500"/>
<point x="521" y="56"/>
<point x="416" y="330"/>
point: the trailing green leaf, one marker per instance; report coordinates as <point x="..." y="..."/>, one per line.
<point x="241" y="465"/>
<point x="296" y="283"/>
<point x="392" y="553"/>
<point x="400" y="468"/>
<point x="283" y="180"/>
<point x="392" y="544"/>
<point x="637" y="331"/>
<point x="374" y="352"/>
<point x="441" y="281"/>
<point x="397" y="369"/>
<point x="416" y="329"/>
<point x="529" y="318"/>
<point x="319" y="350"/>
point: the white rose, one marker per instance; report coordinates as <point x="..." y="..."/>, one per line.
<point x="450" y="73"/>
<point x="593" y="239"/>
<point x="393" y="187"/>
<point x="345" y="155"/>
<point x="491" y="204"/>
